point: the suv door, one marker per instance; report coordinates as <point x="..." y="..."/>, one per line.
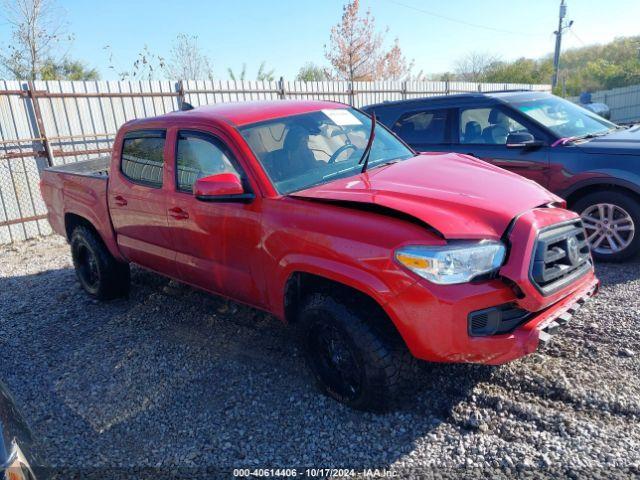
<point x="216" y="242"/>
<point x="426" y="130"/>
<point x="137" y="201"/>
<point x="483" y="132"/>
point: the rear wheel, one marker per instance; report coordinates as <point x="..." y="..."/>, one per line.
<point x="353" y="361"/>
<point x="610" y="219"/>
<point x="99" y="273"/>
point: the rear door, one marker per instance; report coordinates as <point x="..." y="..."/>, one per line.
<point x="137" y="201"/>
<point x="426" y="130"/>
<point x="483" y="131"/>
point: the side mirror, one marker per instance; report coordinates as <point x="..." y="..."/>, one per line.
<point x="221" y="187"/>
<point x="522" y="140"/>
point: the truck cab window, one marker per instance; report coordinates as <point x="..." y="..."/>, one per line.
<point x="142" y="158"/>
<point x="200" y="155"/>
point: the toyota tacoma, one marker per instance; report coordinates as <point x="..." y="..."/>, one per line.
<point x="376" y="255"/>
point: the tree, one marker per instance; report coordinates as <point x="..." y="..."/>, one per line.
<point x="356" y="52"/>
<point x="36" y="28"/>
<point x="601" y="67"/>
<point x="394" y="65"/>
<point x="241" y="77"/>
<point x="146" y="66"/>
<point x="67" y="70"/>
<point x="596" y="67"/>
<point x="262" y="75"/>
<point x="474" y="66"/>
<point x="446" y="77"/>
<point x="522" y="70"/>
<point x="187" y="61"/>
<point x="311" y="72"/>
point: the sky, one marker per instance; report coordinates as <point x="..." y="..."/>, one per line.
<point x="288" y="33"/>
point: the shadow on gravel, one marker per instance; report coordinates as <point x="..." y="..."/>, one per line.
<point x="172" y="376"/>
<point x="617" y="273"/>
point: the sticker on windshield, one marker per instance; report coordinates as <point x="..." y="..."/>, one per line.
<point x="342" y="117"/>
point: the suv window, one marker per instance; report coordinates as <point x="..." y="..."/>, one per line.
<point x="428" y="126"/>
<point x="200" y="155"/>
<point x="142" y="158"/>
<point x="489" y="126"/>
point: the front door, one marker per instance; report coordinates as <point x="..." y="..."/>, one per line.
<point x="216" y="243"/>
<point x="137" y="201"/>
<point x="483" y="133"/>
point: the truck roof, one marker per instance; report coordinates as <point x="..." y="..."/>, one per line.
<point x="245" y="113"/>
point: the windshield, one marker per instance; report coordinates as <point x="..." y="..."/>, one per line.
<point x="564" y="118"/>
<point x="314" y="148"/>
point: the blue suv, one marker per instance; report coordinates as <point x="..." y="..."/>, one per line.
<point x="591" y="162"/>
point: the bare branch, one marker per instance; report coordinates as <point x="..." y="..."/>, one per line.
<point x="37" y="31"/>
<point x="187" y="61"/>
<point x="474" y="66"/>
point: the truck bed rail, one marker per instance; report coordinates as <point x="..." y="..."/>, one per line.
<point x="97" y="167"/>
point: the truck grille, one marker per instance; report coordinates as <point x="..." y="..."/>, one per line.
<point x="560" y="257"/>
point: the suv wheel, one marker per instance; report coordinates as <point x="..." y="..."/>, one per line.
<point x="99" y="273"/>
<point x="353" y="362"/>
<point x="610" y="219"/>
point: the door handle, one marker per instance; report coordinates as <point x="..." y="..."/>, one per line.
<point x="120" y="200"/>
<point x="178" y="213"/>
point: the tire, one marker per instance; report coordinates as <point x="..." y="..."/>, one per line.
<point x="369" y="369"/>
<point x="626" y="217"/>
<point x="99" y="273"/>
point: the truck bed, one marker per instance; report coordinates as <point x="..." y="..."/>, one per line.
<point x="97" y="167"/>
<point x="79" y="189"/>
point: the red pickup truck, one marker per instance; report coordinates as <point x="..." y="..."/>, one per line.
<point x="377" y="255"/>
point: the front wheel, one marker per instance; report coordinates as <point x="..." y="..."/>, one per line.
<point x="610" y="219"/>
<point x="352" y="360"/>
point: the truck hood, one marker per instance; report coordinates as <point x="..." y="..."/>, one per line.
<point x="620" y="142"/>
<point x="457" y="195"/>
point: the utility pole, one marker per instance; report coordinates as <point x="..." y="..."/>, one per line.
<point x="558" y="33"/>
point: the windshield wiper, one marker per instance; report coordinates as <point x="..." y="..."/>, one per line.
<point x="587" y="136"/>
<point x="367" y="150"/>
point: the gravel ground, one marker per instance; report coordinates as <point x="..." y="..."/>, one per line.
<point x="175" y="378"/>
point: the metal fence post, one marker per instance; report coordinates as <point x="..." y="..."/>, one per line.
<point x="180" y="94"/>
<point x="405" y="89"/>
<point x="351" y="94"/>
<point x="447" y="87"/>
<point x="283" y="93"/>
<point x="31" y="92"/>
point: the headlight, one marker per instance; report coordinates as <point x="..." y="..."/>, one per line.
<point x="457" y="262"/>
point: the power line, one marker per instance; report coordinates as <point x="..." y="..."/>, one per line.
<point x="463" y="22"/>
<point x="575" y="35"/>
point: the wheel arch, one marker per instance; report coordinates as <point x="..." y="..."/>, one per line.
<point x="581" y="189"/>
<point x="301" y="284"/>
<point x="73" y="220"/>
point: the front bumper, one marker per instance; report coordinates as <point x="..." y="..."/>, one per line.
<point x="433" y="319"/>
<point x="539" y="330"/>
